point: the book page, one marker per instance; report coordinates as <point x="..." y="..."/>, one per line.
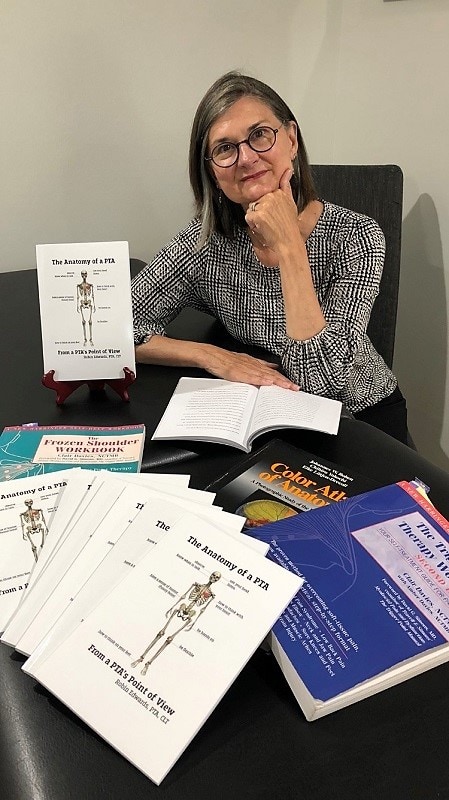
<point x="209" y="410"/>
<point x="283" y="408"/>
<point x="176" y="485"/>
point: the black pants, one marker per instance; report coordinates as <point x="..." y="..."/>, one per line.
<point x="389" y="414"/>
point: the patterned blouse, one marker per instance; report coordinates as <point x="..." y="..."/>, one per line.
<point x="225" y="278"/>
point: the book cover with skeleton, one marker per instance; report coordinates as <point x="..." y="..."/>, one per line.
<point x="149" y="664"/>
<point x="157" y="517"/>
<point x="26" y="506"/>
<point x="86" y="314"/>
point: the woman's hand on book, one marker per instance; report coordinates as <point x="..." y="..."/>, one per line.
<point x="237" y="367"/>
<point x="243" y="368"/>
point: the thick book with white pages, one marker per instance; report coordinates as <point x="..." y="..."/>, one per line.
<point x="374" y="608"/>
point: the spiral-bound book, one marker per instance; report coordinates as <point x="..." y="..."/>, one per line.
<point x="27" y="450"/>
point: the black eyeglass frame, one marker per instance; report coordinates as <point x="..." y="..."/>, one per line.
<point x="244" y="141"/>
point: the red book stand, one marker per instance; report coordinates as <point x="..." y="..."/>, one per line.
<point x="65" y="388"/>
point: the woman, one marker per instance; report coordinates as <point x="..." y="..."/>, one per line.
<point x="279" y="267"/>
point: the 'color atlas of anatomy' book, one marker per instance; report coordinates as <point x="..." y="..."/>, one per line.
<point x="152" y="659"/>
<point x="85" y="308"/>
<point x="212" y="410"/>
<point x="34" y="450"/>
<point x="281" y="480"/>
<point x="374" y="608"/>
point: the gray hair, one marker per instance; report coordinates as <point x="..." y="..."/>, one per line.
<point x="216" y="212"/>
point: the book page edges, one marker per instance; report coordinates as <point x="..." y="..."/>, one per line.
<point x="313" y="708"/>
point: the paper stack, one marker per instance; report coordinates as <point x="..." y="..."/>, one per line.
<point x="144" y="603"/>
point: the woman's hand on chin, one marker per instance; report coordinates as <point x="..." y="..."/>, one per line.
<point x="274" y="217"/>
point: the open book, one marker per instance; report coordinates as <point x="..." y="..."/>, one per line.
<point x="211" y="410"/>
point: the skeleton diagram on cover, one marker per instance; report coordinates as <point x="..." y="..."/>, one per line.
<point x="199" y="595"/>
<point x="85" y="305"/>
<point x="34" y="527"/>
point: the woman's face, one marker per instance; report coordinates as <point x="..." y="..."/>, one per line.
<point x="254" y="174"/>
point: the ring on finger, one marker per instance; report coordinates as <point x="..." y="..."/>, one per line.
<point x="252" y="206"/>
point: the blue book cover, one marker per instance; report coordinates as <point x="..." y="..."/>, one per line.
<point x="376" y="595"/>
<point x="35" y="450"/>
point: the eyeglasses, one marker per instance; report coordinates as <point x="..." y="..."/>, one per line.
<point x="260" y="140"/>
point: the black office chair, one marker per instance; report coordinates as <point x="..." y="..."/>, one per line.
<point x="375" y="191"/>
<point x="135" y="265"/>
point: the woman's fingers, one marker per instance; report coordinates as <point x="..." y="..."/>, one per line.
<point x="284" y="183"/>
<point x="242" y="368"/>
<point x="275" y="216"/>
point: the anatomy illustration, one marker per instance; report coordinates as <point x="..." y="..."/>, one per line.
<point x="34" y="527"/>
<point x="198" y="596"/>
<point x="85" y="305"/>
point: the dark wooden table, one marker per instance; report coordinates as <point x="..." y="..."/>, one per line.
<point x="257" y="744"/>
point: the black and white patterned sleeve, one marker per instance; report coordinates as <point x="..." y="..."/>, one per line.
<point x="164" y="287"/>
<point x="325" y="363"/>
